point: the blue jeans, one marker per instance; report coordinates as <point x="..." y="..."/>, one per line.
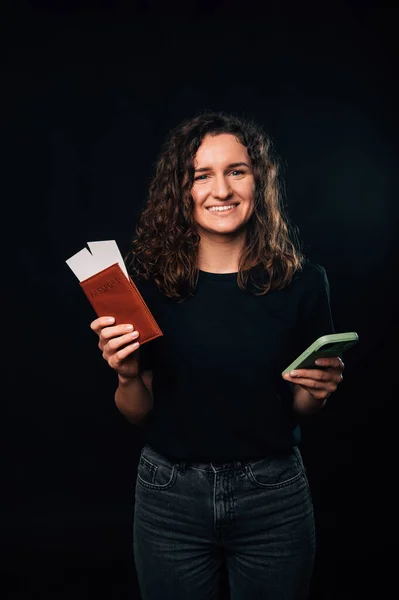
<point x="255" y="517"/>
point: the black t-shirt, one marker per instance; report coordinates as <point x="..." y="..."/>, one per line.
<point x="218" y="390"/>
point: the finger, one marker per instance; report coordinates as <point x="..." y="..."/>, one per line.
<point x="122" y="354"/>
<point x="116" y="343"/>
<point x="316" y="385"/>
<point x="101" y="322"/>
<point x="332" y="361"/>
<point x="114" y="331"/>
<point x="331" y="376"/>
<point x="308" y="374"/>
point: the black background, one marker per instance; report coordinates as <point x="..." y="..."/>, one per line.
<point x="89" y="90"/>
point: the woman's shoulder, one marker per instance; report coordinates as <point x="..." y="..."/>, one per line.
<point x="314" y="269"/>
<point x="312" y="274"/>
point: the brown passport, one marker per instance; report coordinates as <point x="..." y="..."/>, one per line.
<point x="111" y="294"/>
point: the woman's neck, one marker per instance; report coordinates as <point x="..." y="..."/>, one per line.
<point x="219" y="257"/>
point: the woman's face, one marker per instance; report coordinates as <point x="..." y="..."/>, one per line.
<point x="223" y="178"/>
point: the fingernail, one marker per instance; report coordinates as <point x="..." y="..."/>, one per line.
<point x="318" y="362"/>
<point x="294" y="373"/>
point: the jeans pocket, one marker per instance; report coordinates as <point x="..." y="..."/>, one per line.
<point x="155" y="472"/>
<point x="275" y="470"/>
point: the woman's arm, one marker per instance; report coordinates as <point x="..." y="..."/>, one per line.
<point x="133" y="397"/>
<point x="305" y="403"/>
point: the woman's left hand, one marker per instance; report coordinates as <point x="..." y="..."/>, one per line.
<point x="319" y="383"/>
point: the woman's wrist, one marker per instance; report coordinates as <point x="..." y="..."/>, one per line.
<point x="125" y="381"/>
<point x="305" y="403"/>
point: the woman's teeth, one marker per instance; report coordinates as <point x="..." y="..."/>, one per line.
<point x="222" y="208"/>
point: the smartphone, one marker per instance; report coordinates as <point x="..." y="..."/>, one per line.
<point x="326" y="345"/>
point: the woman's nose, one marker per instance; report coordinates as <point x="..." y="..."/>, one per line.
<point x="221" y="188"/>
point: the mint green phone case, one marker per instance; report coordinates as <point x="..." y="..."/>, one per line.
<point x="326" y="345"/>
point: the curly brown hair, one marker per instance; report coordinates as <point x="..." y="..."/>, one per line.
<point x="165" y="246"/>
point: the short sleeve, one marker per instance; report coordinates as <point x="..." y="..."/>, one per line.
<point x="315" y="312"/>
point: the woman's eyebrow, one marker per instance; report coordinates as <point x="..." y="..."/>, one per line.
<point x="230" y="166"/>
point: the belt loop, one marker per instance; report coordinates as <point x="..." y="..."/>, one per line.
<point x="240" y="466"/>
<point x="182" y="466"/>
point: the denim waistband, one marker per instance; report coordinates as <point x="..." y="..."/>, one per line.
<point x="203" y="465"/>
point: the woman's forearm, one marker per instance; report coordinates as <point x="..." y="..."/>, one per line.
<point x="304" y="403"/>
<point x="133" y="399"/>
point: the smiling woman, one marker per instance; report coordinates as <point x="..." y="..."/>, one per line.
<point x="227" y="193"/>
<point x="220" y="478"/>
<point x="215" y="161"/>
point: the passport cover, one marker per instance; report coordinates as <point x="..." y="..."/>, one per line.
<point x="111" y="294"/>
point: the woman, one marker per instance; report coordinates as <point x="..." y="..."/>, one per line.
<point x="220" y="479"/>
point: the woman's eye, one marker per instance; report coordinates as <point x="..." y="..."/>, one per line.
<point x="234" y="173"/>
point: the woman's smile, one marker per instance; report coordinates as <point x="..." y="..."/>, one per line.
<point x="222" y="211"/>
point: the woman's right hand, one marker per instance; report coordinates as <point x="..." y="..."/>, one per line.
<point x="119" y="346"/>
